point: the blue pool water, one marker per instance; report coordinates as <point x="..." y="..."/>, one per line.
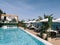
<point x="16" y="36"/>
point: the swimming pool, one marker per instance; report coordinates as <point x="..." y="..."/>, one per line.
<point x="16" y="36"/>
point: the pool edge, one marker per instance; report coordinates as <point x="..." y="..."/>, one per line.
<point x="44" y="41"/>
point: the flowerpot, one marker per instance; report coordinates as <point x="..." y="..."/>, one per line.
<point x="44" y="35"/>
<point x="49" y="39"/>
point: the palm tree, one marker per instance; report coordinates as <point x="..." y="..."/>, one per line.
<point x="50" y="25"/>
<point x="47" y="25"/>
<point x="50" y="21"/>
<point x="47" y="16"/>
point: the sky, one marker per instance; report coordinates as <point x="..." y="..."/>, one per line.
<point x="31" y="9"/>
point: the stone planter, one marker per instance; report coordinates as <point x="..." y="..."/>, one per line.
<point x="44" y="35"/>
<point x="49" y="38"/>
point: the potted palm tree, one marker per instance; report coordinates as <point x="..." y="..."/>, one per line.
<point x="50" y="24"/>
<point x="45" y="25"/>
<point x="47" y="35"/>
<point x="43" y="33"/>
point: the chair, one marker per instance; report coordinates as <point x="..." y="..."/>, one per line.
<point x="37" y="29"/>
<point x="53" y="34"/>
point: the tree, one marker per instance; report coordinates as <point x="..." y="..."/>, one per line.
<point x="4" y="13"/>
<point x="47" y="16"/>
<point x="13" y="20"/>
<point x="47" y="25"/>
<point x="50" y="25"/>
<point x="29" y="19"/>
<point x="22" y="21"/>
<point x="39" y="17"/>
<point x="33" y="19"/>
<point x="1" y="12"/>
<point x="50" y="21"/>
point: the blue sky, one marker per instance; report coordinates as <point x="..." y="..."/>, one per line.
<point x="29" y="9"/>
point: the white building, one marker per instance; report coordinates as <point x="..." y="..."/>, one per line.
<point x="7" y="18"/>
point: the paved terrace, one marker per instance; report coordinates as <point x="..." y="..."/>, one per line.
<point x="54" y="41"/>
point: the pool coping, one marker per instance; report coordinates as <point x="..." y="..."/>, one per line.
<point x="44" y="41"/>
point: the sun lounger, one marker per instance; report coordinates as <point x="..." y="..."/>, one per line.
<point x="37" y="29"/>
<point x="32" y="27"/>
